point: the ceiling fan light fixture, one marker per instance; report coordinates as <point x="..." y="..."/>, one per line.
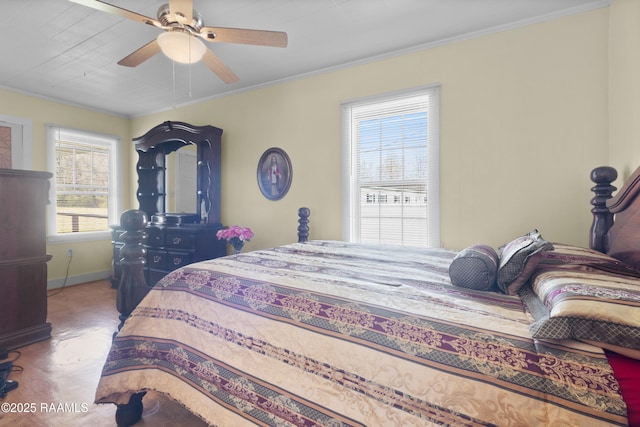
<point x="181" y="47"/>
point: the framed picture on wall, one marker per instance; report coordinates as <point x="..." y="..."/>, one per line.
<point x="274" y="173"/>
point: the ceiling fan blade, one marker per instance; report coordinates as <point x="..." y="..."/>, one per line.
<point x="182" y="8"/>
<point x="219" y="67"/>
<point x="139" y="56"/>
<point x="106" y="7"/>
<point x="244" y="36"/>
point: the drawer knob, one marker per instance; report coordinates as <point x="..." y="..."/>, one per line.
<point x="177" y="240"/>
<point x="177" y="261"/>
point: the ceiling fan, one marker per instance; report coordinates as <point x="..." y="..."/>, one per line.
<point x="183" y="32"/>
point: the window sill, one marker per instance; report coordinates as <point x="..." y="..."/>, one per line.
<point x="79" y="237"/>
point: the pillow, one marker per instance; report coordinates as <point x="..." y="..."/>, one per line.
<point x="518" y="259"/>
<point x="587" y="297"/>
<point x="568" y="256"/>
<point x="475" y="268"/>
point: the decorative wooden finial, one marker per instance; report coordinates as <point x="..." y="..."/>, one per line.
<point x="303" y="228"/>
<point x="603" y="176"/>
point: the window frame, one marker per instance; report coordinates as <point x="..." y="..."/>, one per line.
<point x="350" y="202"/>
<point x="115" y="182"/>
<point x="21" y="143"/>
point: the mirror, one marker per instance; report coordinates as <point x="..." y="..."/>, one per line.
<point x="185" y="181"/>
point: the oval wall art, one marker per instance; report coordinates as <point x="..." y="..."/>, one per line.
<point x="274" y="173"/>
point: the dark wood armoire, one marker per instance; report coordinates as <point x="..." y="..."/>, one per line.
<point x="23" y="258"/>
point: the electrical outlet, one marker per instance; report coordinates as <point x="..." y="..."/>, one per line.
<point x="69" y="253"/>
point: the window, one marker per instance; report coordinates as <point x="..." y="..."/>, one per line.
<point x="84" y="187"/>
<point x="390" y="169"/>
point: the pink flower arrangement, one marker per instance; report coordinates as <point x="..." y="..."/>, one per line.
<point x="243" y="234"/>
<point x="235" y="236"/>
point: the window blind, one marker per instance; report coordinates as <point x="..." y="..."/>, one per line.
<point x="390" y="163"/>
<point x="84" y="185"/>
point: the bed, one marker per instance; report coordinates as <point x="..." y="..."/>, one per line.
<point x="327" y="333"/>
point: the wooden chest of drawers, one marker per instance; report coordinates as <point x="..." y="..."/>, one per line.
<point x="170" y="247"/>
<point x="23" y="257"/>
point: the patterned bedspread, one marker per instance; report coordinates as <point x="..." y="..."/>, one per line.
<point x="336" y="334"/>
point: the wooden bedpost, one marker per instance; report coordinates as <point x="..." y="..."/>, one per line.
<point x="131" y="289"/>
<point x="129" y="414"/>
<point x="133" y="286"/>
<point x="303" y="228"/>
<point x="603" y="176"/>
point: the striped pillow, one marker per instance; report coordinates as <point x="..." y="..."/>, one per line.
<point x="588" y="297"/>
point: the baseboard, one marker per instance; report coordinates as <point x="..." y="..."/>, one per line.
<point x="77" y="280"/>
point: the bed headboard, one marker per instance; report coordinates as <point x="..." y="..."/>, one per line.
<point x="616" y="219"/>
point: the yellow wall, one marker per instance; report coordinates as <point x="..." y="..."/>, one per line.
<point x="624" y="80"/>
<point x="89" y="257"/>
<point x="525" y="115"/>
<point x="524" y="119"/>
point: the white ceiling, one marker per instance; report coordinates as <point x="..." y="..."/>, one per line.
<point x="68" y="52"/>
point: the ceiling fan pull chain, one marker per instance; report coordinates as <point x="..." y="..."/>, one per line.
<point x="190" y="67"/>
<point x="173" y="71"/>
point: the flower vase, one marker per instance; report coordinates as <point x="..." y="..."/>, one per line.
<point x="237" y="245"/>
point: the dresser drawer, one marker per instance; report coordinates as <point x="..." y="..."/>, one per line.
<point x="178" y="259"/>
<point x="153" y="276"/>
<point x="155" y="237"/>
<point x="179" y="240"/>
<point x="157" y="259"/>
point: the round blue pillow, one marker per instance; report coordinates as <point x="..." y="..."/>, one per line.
<point x="475" y="267"/>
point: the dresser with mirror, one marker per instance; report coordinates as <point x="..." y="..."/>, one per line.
<point x="175" y="239"/>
